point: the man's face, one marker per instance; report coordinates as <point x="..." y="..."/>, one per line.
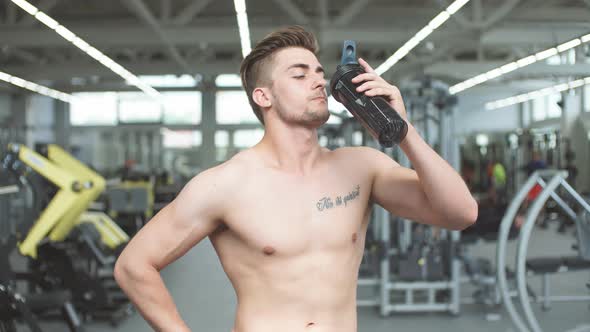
<point x="299" y="88"/>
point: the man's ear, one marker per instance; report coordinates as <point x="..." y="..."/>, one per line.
<point x="262" y="97"/>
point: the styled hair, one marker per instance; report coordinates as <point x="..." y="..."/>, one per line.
<point x="254" y="70"/>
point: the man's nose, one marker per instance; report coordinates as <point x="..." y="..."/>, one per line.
<point x="320" y="82"/>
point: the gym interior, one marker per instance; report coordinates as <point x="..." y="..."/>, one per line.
<point x="108" y="108"/>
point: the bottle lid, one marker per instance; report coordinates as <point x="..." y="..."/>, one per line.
<point x="348" y="53"/>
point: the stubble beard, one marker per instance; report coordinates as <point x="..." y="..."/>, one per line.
<point x="309" y="118"/>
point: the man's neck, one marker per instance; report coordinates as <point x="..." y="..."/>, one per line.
<point x="291" y="149"/>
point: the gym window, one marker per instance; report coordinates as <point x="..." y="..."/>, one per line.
<point x="232" y="107"/>
<point x="181" y="139"/>
<point x="221" y="145"/>
<point x="228" y="81"/>
<point x="137" y="107"/>
<point x="546" y="107"/>
<point x="247" y="138"/>
<point x="94" y="109"/>
<point x="553" y="110"/>
<point x="111" y="108"/>
<point x="182" y="107"/>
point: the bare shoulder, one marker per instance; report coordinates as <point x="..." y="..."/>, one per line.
<point x="221" y="178"/>
<point x="364" y="156"/>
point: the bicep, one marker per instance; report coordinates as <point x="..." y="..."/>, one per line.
<point x="183" y="223"/>
<point x="399" y="191"/>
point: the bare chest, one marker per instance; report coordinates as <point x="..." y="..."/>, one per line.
<point x="289" y="218"/>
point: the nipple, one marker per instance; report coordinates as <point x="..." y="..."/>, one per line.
<point x="268" y="250"/>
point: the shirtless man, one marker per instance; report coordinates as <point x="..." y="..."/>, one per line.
<point x="287" y="217"/>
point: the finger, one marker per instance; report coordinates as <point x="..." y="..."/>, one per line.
<point x="366" y="66"/>
<point x="364" y="77"/>
<point x="377" y="92"/>
<point x="368" y="85"/>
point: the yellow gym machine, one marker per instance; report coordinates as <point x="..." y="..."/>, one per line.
<point x="69" y="246"/>
<point x="78" y="187"/>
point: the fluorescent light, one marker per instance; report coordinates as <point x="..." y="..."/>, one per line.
<point x="422" y="34"/>
<point x="493" y="73"/>
<point x="48" y="21"/>
<point x="26" y="6"/>
<point x="17" y="81"/>
<point x="81" y="44"/>
<point x="470" y="82"/>
<point x="435" y="23"/>
<point x="240" y="6"/>
<point x="457" y="88"/>
<point x="65" y="33"/>
<point x="509" y="67"/>
<point x="526" y="61"/>
<point x="5" y="77"/>
<point x="84" y="46"/>
<point x="31" y="86"/>
<point x="546" y="54"/>
<point x="244" y="31"/>
<point x="439" y="20"/>
<point x="547" y="91"/>
<point x="65" y="97"/>
<point x="536" y="94"/>
<point x="576" y="84"/>
<point x="479" y="79"/>
<point x="93" y="52"/>
<point x="455" y="6"/>
<point x="570" y="44"/>
<point x="561" y="87"/>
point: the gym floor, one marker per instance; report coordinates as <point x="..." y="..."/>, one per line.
<point x="207" y="302"/>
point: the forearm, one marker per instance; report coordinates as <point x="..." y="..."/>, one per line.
<point x="145" y="288"/>
<point x="445" y="189"/>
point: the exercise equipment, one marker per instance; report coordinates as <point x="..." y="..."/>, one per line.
<point x="542" y="266"/>
<point x="69" y="248"/>
<point x="131" y="203"/>
<point x="417" y="269"/>
<point x="15" y="306"/>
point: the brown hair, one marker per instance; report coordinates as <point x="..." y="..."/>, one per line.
<point x="253" y="68"/>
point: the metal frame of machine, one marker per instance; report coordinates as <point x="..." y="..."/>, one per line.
<point x="556" y="178"/>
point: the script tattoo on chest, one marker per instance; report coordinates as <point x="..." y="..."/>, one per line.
<point x="326" y="203"/>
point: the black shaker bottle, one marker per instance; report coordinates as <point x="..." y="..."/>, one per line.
<point x="374" y="113"/>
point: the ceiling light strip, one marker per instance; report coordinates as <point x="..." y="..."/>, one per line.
<point x="476" y="80"/>
<point x="35" y="87"/>
<point x="87" y="48"/>
<point x="536" y="94"/>
<point x="434" y="24"/>
<point x="242" y="17"/>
